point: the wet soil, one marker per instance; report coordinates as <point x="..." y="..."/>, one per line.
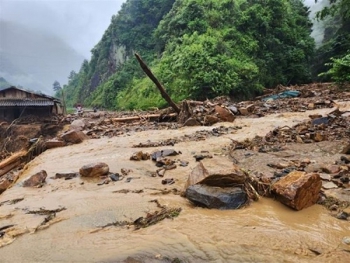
<point x="265" y="231"/>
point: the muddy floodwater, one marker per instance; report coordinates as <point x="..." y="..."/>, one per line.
<point x="265" y="231"/>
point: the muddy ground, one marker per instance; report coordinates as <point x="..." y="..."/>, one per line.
<point x="265" y="231"/>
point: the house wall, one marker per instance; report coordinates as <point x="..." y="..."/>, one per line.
<point x="11" y="113"/>
<point x="17" y="94"/>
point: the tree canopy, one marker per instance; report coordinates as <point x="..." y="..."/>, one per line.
<point x="198" y="49"/>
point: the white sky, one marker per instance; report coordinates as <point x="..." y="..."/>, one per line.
<point x="80" y="23"/>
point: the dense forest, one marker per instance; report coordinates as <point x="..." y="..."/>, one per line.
<point x="201" y="49"/>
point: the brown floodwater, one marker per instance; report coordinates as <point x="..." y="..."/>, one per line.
<point x="265" y="231"/>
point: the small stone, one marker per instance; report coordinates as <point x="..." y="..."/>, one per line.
<point x="94" y="170"/>
<point x="346" y="149"/>
<point x="331" y="169"/>
<point x="138" y="156"/>
<point x="346" y="240"/>
<point x="36" y="179"/>
<point x="342" y="216"/>
<point x="54" y="143"/>
<point x="66" y="175"/>
<point x="191" y="122"/>
<point x="210" y="120"/>
<point x="326" y="177"/>
<point x="311" y="106"/>
<point x="329" y="185"/>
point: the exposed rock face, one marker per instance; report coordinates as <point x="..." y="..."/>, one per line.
<point x="298" y="190"/>
<point x="138" y="156"/>
<point x="216" y="197"/>
<point x="36" y="179"/>
<point x="94" y="170"/>
<point x="73" y="136"/>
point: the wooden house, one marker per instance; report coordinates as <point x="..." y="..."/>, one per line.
<point x="16" y="103"/>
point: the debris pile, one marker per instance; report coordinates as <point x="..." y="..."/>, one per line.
<point x="333" y="127"/>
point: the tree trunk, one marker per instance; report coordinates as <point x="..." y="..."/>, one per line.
<point x="149" y="73"/>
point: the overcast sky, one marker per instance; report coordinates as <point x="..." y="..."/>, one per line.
<point x="80" y="23"/>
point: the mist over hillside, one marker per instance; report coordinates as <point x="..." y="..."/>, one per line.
<point x="34" y="59"/>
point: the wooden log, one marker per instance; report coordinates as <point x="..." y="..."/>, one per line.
<point x="9" y="167"/>
<point x="149" y="116"/>
<point x="149" y="73"/>
<point x="12" y="158"/>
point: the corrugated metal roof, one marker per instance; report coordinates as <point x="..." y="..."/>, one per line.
<point x="25" y="102"/>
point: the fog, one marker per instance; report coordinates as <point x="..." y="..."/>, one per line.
<point x="43" y="40"/>
<point x="79" y="23"/>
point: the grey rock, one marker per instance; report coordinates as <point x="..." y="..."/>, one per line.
<point x="216" y="197"/>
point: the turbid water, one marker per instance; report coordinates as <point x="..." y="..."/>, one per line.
<point x="265" y="231"/>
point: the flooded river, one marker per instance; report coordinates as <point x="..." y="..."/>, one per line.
<point x="265" y="231"/>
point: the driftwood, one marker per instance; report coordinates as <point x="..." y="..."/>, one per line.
<point x="146" y="117"/>
<point x="11" y="162"/>
<point x="149" y="73"/>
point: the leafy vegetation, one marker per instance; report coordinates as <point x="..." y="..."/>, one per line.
<point x="332" y="57"/>
<point x="198" y="49"/>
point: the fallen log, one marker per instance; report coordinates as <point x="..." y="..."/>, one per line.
<point x="13" y="158"/>
<point x="141" y="117"/>
<point x="149" y="73"/>
<point x="9" y="167"/>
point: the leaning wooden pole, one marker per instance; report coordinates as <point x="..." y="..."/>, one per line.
<point x="149" y="73"/>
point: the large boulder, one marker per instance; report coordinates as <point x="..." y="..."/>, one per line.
<point x="78" y="125"/>
<point x="36" y="179"/>
<point x="298" y="190"/>
<point x="224" y="114"/>
<point x="216" y="197"/>
<point x="221" y="178"/>
<point x="73" y="136"/>
<point x="94" y="170"/>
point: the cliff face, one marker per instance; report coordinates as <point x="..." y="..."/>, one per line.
<point x="130" y="30"/>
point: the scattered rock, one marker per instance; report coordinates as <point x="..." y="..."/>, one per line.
<point x="346" y="240"/>
<point x="66" y="176"/>
<point x="329" y="185"/>
<point x="346" y="149"/>
<point x="168" y="181"/>
<point x="36" y="180"/>
<point x="298" y="190"/>
<point x="224" y="114"/>
<point x="191" y="122"/>
<point x="163" y="153"/>
<point x="331" y="169"/>
<point x="54" y="143"/>
<point x="216" y="197"/>
<point x="78" y="125"/>
<point x="6" y="181"/>
<point x="138" y="156"/>
<point x="94" y="170"/>
<point x="73" y="136"/>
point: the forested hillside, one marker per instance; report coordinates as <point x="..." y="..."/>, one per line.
<point x="200" y="49"/>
